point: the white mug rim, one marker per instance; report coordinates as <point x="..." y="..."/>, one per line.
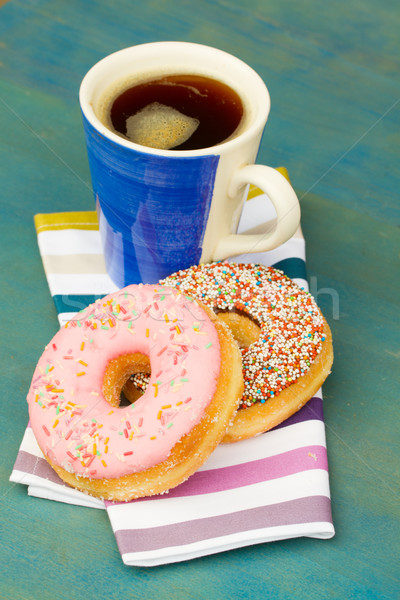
<point x="255" y="127"/>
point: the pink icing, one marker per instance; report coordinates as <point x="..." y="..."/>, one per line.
<point x="74" y="424"/>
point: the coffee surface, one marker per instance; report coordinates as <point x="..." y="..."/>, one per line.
<point x="177" y="112"/>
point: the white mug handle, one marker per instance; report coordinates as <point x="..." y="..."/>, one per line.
<point x="285" y="202"/>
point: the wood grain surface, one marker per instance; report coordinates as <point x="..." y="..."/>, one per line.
<point x="332" y="69"/>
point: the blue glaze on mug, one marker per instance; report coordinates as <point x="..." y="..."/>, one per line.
<point x="153" y="209"/>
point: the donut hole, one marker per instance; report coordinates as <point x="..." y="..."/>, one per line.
<point x="123" y="400"/>
<point x="118" y="373"/>
<point x="244" y="330"/>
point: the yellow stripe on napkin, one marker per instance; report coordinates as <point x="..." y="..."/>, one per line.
<point x="66" y="220"/>
<point x="255" y="191"/>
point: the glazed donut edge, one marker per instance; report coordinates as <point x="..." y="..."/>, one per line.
<point x="260" y="418"/>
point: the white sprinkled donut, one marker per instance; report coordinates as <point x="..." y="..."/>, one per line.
<point x="124" y="452"/>
<point x="285" y="341"/>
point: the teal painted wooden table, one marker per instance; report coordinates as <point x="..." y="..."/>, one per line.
<point x="332" y="71"/>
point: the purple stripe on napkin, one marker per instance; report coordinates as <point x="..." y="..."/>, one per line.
<point x="249" y="473"/>
<point x="34" y="465"/>
<point x="313" y="410"/>
<point x="311" y="509"/>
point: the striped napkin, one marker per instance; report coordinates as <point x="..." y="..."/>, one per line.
<point x="274" y="486"/>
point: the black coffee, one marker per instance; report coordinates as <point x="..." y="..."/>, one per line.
<point x="177" y="112"/>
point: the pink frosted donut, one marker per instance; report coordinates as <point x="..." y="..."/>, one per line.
<point x="124" y="452"/>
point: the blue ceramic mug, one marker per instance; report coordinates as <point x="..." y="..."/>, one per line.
<point x="161" y="210"/>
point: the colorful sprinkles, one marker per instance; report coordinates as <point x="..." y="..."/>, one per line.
<point x="290" y="321"/>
